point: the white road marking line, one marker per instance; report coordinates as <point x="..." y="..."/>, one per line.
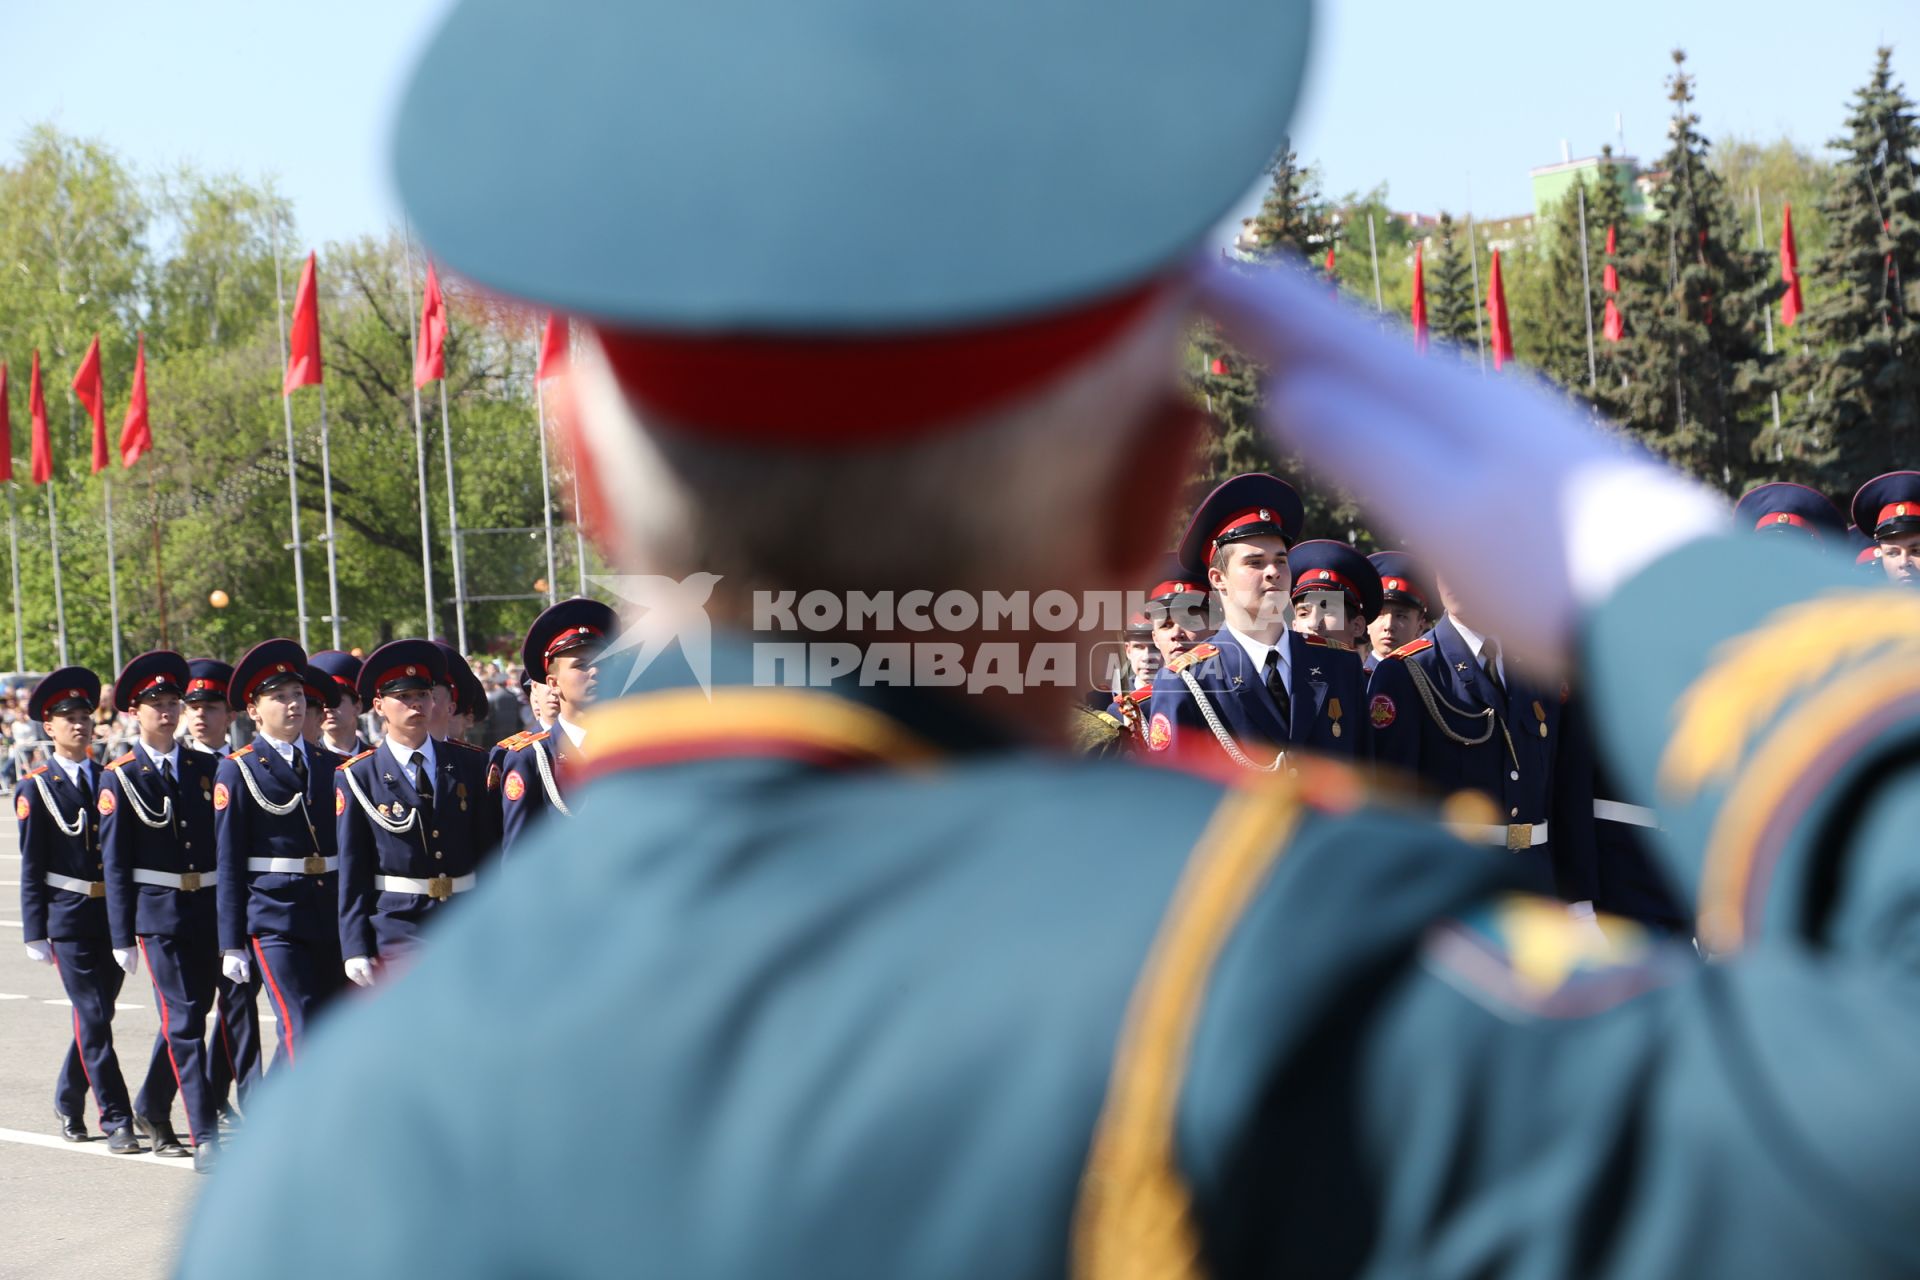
<point x="119" y="1006"/>
<point x="11" y="924"/>
<point x="8" y="995"/>
<point x="98" y="1147"/>
<point x="9" y="884"/>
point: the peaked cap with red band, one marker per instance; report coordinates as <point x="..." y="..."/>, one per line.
<point x="401" y="666"/>
<point x="268" y="663"/>
<point x="1888" y="506"/>
<point x="321" y="686"/>
<point x="1404" y="580"/>
<point x="68" y="689"/>
<point x="207" y="680"/>
<point x="1324" y="565"/>
<point x="1791" y="508"/>
<point x="889" y="218"/>
<point x="340" y="667"/>
<point x="161" y="670"/>
<point x="565" y="627"/>
<point x="469" y="695"/>
<point x="1245" y="506"/>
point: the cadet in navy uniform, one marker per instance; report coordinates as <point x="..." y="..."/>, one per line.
<point x="279" y="895"/>
<point x="882" y="994"/>
<point x="1408" y="604"/>
<point x="233" y="1058"/>
<point x="1257" y="688"/>
<point x="561" y="651"/>
<point x="1795" y="511"/>
<point x="1449" y="710"/>
<point x="63" y="904"/>
<point x="1888" y="507"/>
<point x="1336" y="594"/>
<point x="340" y="722"/>
<point x="413" y="815"/>
<point x="156" y="830"/>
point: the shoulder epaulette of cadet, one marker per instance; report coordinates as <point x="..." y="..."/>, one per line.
<point x="124" y="759"/>
<point x="462" y="744"/>
<point x="356" y="759"/>
<point x="1199" y="653"/>
<point x="1410" y="648"/>
<point x="33" y="773"/>
<point x="1139" y="696"/>
<point x="1327" y="642"/>
<point x="246" y="750"/>
<point x="515" y="742"/>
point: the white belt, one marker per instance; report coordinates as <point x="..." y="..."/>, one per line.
<point x="1518" y="835"/>
<point x="439" y="888"/>
<point x="314" y="865"/>
<point x="1634" y="815"/>
<point x="191" y="882"/>
<point x="85" y="888"/>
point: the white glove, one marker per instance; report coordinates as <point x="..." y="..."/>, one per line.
<point x="40" y="952"/>
<point x="128" y="959"/>
<point x="1586" y="921"/>
<point x="1527" y="527"/>
<point x="234" y="965"/>
<point x="360" y="971"/>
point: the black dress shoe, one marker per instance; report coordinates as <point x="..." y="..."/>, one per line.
<point x="160" y="1133"/>
<point x="72" y="1128"/>
<point x="205" y="1157"/>
<point x="122" y="1142"/>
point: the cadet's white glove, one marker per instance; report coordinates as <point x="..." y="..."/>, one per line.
<point x="234" y="965"/>
<point x="128" y="959"/>
<point x="1586" y="921"/>
<point x="1502" y="486"/>
<point x="40" y="952"/>
<point x="360" y="971"/>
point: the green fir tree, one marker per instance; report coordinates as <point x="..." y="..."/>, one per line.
<point x="1450" y="285"/>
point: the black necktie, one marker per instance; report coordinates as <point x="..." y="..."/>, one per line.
<point x="166" y="776"/>
<point x="1277" y="686"/>
<point x="1490" y="659"/>
<point x="83" y="778"/>
<point x="300" y="765"/>
<point x="422" y="779"/>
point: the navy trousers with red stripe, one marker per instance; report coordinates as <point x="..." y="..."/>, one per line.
<point x="183" y="970"/>
<point x="300" y="978"/>
<point x="92" y="980"/>
<point x="233" y="1052"/>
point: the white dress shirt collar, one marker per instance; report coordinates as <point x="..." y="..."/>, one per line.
<point x="403" y="756"/>
<point x="171" y="756"/>
<point x="1258" y="652"/>
<point x="286" y="749"/>
<point x="1477" y="642"/>
<point x="575" y="734"/>
<point x="74" y="769"/>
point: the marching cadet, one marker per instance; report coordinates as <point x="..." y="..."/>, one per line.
<point x="63" y="905"/>
<point x="895" y="1006"/>
<point x="233" y="1062"/>
<point x="1888" y="506"/>
<point x="156" y="832"/>
<point x="561" y="651"/>
<point x="340" y="722"/>
<point x="1407" y="605"/>
<point x="1449" y="710"/>
<point x="279" y="891"/>
<point x="1257" y="687"/>
<point x="414" y="816"/>
<point x="1796" y="511"/>
<point x="543" y="704"/>
<point x="469" y="707"/>
<point x="322" y="696"/>
<point x="1171" y="622"/>
<point x="446" y="692"/>
<point x="1336" y="591"/>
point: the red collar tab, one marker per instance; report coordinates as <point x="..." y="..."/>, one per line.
<point x="823" y="392"/>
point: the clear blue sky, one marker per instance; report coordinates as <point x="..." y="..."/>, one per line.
<point x="1429" y="97"/>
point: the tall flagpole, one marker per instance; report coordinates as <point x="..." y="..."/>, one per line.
<point x="546" y="482"/>
<point x="453" y="524"/>
<point x="59" y="596"/>
<point x="1760" y="237"/>
<point x="286" y="403"/>
<point x="420" y="444"/>
<point x="326" y="480"/>
<point x="1479" y="331"/>
<point x="579" y="535"/>
<point x="1373" y="251"/>
<point x="13" y="558"/>
<point x="1586" y="284"/>
<point x="113" y="577"/>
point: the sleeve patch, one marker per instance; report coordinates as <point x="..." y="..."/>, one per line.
<point x="339" y="802"/>
<point x="220" y="795"/>
<point x="516" y="785"/>
<point x="1160" y="732"/>
<point x="1382" y="711"/>
<point x="1524" y="954"/>
<point x="493" y="776"/>
<point x="22" y="807"/>
<point x="106" y="801"/>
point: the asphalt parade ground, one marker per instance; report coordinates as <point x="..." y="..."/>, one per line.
<point x="73" y="1209"/>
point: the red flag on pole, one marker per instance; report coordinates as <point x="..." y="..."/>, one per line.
<point x="87" y="389"/>
<point x="136" y="436"/>
<point x="430" y="356"/>
<point x="553" y="350"/>
<point x="1791" y="304"/>
<point x="1497" y="314"/>
<point x="1420" y="298"/>
<point x="1613" y="326"/>
<point x="37" y="410"/>
<point x="1219" y="367"/>
<point x="6" y="428"/>
<point x="303" y="343"/>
